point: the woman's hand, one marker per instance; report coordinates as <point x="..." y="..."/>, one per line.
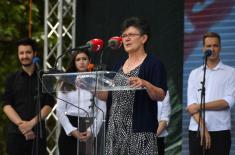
<point x="155" y="93"/>
<point x="162" y="125"/>
<point x="82" y="136"/>
<point x="136" y="82"/>
<point x="85" y="136"/>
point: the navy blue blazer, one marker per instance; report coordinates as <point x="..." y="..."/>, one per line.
<point x="144" y="108"/>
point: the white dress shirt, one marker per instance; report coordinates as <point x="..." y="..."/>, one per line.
<point x="164" y="110"/>
<point x="84" y="110"/>
<point x="220" y="84"/>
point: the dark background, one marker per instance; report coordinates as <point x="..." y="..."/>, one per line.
<point x="102" y="19"/>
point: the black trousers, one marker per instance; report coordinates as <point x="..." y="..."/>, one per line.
<point x="161" y="145"/>
<point x="17" y="145"/>
<point x="220" y="143"/>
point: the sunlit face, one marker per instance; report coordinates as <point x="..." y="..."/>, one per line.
<point x="213" y="44"/>
<point x="25" y="55"/>
<point x="133" y="40"/>
<point x="81" y="62"/>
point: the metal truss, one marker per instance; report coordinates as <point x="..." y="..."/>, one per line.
<point x="59" y="36"/>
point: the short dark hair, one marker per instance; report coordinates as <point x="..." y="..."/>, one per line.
<point x="139" y="23"/>
<point x="27" y="41"/>
<point x="211" y="34"/>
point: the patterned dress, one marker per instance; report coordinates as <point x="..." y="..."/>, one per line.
<point x="120" y="139"/>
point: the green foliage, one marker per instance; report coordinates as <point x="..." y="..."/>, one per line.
<point x="14" y="22"/>
<point x="174" y="139"/>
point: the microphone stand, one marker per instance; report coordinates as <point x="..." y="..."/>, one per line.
<point x="99" y="67"/>
<point x="92" y="106"/>
<point x="54" y="69"/>
<point x="38" y="112"/>
<point x="83" y="47"/>
<point x="202" y="106"/>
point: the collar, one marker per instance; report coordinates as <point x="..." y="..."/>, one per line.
<point x="22" y="72"/>
<point x="219" y="66"/>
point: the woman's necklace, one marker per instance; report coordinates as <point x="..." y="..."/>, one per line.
<point x="133" y="63"/>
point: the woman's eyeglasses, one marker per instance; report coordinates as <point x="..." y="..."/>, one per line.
<point x="131" y="35"/>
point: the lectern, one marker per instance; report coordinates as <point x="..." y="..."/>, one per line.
<point x="94" y="82"/>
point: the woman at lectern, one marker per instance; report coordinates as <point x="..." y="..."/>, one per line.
<point x="132" y="122"/>
<point x="70" y="109"/>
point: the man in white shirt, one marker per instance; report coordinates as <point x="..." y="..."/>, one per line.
<point x="219" y="99"/>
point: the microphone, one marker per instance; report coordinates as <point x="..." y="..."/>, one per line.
<point x="36" y="61"/>
<point x="207" y="53"/>
<point x="93" y="45"/>
<point x="115" y="42"/>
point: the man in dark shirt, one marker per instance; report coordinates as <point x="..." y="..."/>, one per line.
<point x="21" y="104"/>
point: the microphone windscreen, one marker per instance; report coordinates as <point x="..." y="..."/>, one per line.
<point x="207" y="53"/>
<point x="95" y="45"/>
<point x="36" y="60"/>
<point x="115" y="42"/>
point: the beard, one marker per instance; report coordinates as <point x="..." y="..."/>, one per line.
<point x="26" y="62"/>
<point x="27" y="65"/>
